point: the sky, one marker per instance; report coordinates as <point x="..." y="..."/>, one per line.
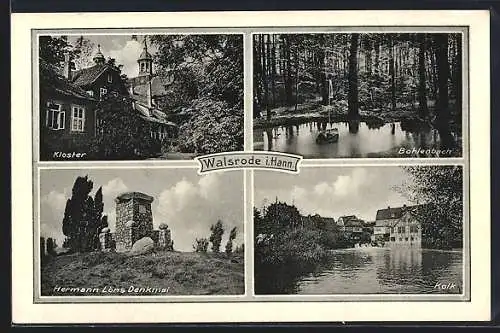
<point x="123" y="48"/>
<point x="187" y="202"/>
<point x="333" y="191"/>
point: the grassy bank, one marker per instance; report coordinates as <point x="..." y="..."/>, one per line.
<point x="179" y="273"/>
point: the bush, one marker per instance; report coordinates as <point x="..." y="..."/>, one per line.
<point x="213" y="127"/>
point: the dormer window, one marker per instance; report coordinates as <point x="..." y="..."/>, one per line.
<point x="110" y="78"/>
<point x="90" y="92"/>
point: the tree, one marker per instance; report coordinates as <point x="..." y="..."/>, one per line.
<point x="83" y="219"/>
<point x="229" y="244"/>
<point x="201" y="245"/>
<point x="77" y="215"/>
<point x="53" y="49"/>
<point x="439" y="190"/>
<point x="213" y="127"/>
<point x="353" y="107"/>
<point x="121" y="134"/>
<point x="443" y="72"/>
<point x="216" y="236"/>
<point x="51" y="245"/>
<point x="422" y="99"/>
<point x="83" y="50"/>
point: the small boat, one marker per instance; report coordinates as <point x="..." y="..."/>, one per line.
<point x="328" y="136"/>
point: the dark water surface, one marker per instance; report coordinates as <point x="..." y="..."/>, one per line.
<point x="384" y="270"/>
<point x="368" y="141"/>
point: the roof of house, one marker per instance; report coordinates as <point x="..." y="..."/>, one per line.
<point x="152" y="114"/>
<point x="158" y="86"/>
<point x="52" y="80"/>
<point x="87" y="76"/>
<point x="390" y="213"/>
<point x="133" y="195"/>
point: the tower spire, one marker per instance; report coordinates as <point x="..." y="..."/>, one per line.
<point x="99" y="57"/>
<point x="145" y="60"/>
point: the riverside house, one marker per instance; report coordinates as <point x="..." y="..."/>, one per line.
<point x="351" y="227"/>
<point x="398" y="227"/>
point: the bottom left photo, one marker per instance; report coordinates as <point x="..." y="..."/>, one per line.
<point x="139" y="232"/>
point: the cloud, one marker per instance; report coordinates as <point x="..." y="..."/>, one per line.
<point x="359" y="191"/>
<point x="51" y="215"/>
<point x="190" y="208"/>
<point x="114" y="187"/>
<point x="127" y="56"/>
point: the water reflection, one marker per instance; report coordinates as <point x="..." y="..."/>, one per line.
<point x="377" y="270"/>
<point x="356" y="139"/>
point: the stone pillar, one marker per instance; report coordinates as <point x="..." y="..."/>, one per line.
<point x="164" y="237"/>
<point x="106" y="240"/>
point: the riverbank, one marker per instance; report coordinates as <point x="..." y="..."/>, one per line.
<point x="166" y="273"/>
<point x="315" y="112"/>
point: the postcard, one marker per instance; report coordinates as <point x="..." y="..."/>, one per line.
<point x="250" y="167"/>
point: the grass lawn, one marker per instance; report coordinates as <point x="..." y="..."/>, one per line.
<point x="180" y="273"/>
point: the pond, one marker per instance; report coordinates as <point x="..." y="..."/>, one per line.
<point x="387" y="271"/>
<point x="385" y="140"/>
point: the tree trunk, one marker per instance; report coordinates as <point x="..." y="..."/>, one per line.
<point x="273" y="70"/>
<point x="265" y="80"/>
<point x="458" y="78"/>
<point x="352" y="98"/>
<point x="288" y="78"/>
<point x="322" y="73"/>
<point x="443" y="116"/>
<point x="423" y="112"/>
<point x="391" y="74"/>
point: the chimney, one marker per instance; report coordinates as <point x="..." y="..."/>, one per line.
<point x="67" y="66"/>
<point x="148" y="94"/>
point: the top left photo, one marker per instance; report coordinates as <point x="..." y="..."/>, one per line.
<point x="138" y="97"/>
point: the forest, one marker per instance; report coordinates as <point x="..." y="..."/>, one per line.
<point x="377" y="77"/>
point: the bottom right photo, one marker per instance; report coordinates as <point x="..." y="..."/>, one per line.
<point x="359" y="230"/>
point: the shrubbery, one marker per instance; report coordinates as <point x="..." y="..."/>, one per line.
<point x="288" y="246"/>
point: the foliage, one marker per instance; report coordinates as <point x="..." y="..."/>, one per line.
<point x="83" y="218"/>
<point x="208" y="66"/>
<point x="440" y="191"/>
<point x="53" y="48"/>
<point x="217" y="230"/>
<point x="289" y="245"/>
<point x="213" y="127"/>
<point x="201" y="245"/>
<point x="229" y="244"/>
<point x="121" y="134"/>
<point x="372" y="72"/>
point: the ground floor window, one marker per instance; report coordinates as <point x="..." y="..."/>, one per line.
<point x="77" y="118"/>
<point x="55" y="117"/>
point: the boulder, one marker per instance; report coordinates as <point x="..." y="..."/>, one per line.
<point x="143" y="246"/>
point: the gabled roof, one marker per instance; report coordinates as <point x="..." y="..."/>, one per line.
<point x="390" y="213"/>
<point x="50" y="79"/>
<point x="87" y="76"/>
<point x="152" y="114"/>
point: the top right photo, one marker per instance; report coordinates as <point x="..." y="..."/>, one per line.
<point x="359" y="95"/>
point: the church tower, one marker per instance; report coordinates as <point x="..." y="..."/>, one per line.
<point x="99" y="57"/>
<point x="145" y="61"/>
